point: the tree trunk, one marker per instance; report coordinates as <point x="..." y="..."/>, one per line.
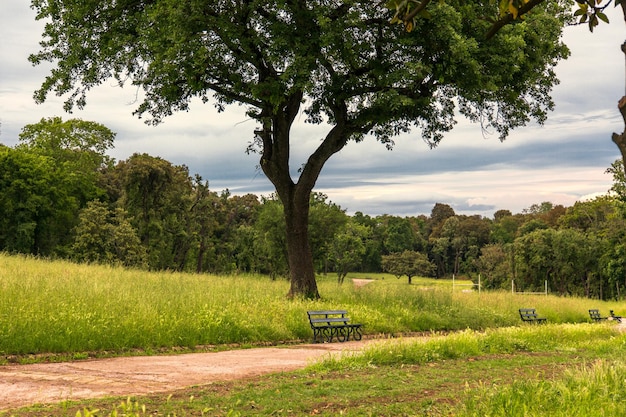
<point x="299" y="254"/>
<point x="274" y="136"/>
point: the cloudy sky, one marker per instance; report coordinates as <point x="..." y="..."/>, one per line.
<point x="561" y="162"/>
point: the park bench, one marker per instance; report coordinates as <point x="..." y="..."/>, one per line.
<point x="529" y="315"/>
<point x="330" y="324"/>
<point x="594" y="314"/>
<point x="614" y="317"/>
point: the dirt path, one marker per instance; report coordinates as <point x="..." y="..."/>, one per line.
<point x="23" y="385"/>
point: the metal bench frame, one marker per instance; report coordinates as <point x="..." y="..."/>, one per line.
<point x="529" y="315"/>
<point x="594" y="314"/>
<point x="333" y="324"/>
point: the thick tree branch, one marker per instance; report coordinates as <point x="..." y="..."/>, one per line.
<point x="508" y="18"/>
<point x="620" y="140"/>
<point x="417" y="10"/>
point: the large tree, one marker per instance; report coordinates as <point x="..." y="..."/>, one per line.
<point x="338" y="62"/>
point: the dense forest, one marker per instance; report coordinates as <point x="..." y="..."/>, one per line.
<point x="61" y="196"/>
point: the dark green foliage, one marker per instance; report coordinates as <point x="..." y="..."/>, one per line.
<point x="79" y="149"/>
<point x="147" y="212"/>
<point x="156" y="215"/>
<point x="36" y="202"/>
<point x="495" y="266"/>
<point x="105" y="236"/>
<point x="347" y="248"/>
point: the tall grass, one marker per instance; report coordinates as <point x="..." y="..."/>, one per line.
<point x="589" y="390"/>
<point x="61" y="307"/>
<point x="469" y="343"/>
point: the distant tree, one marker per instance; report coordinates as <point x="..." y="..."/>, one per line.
<point x="568" y="259"/>
<point x="105" y="236"/>
<point x="81" y="142"/>
<point x="419" y="225"/>
<point x="494" y="265"/>
<point x="270" y="246"/>
<point x="243" y="244"/>
<point x="340" y="63"/>
<point x="347" y="248"/>
<point x="501" y="214"/>
<point x="531" y="225"/>
<point x="371" y="260"/>
<point x="326" y="219"/>
<point x="505" y="226"/>
<point x="613" y="264"/>
<point x="577" y="268"/>
<point x="438" y="215"/>
<point x="475" y="232"/>
<point x="533" y="259"/>
<point x="232" y="217"/>
<point x="78" y="147"/>
<point x="408" y="263"/>
<point x="452" y="235"/>
<point x="537" y="209"/>
<point x="591" y="215"/>
<point x="157" y="196"/>
<point x="37" y="204"/>
<point x="399" y="235"/>
<point x="619" y="179"/>
<point x="459" y="242"/>
<point x="243" y="209"/>
<point x="203" y="221"/>
<point x="441" y="254"/>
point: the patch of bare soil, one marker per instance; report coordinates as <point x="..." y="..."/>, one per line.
<point x="23" y="385"/>
<point x="361" y="282"/>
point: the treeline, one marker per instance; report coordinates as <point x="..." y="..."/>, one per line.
<point x="62" y="196"/>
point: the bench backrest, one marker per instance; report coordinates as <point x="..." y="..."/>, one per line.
<point x="594" y="314"/>
<point x="327" y="317"/>
<point x="528" y="313"/>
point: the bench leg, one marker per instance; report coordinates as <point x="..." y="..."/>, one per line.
<point x="317" y="333"/>
<point x="328" y="334"/>
<point x="343" y="334"/>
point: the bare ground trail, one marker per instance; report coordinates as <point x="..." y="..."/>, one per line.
<point x="24" y="385"/>
<point x="44" y="383"/>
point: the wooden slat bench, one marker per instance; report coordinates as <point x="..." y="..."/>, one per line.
<point x="330" y="324"/>
<point x="594" y="314"/>
<point x="529" y="315"/>
<point x="614" y="317"/>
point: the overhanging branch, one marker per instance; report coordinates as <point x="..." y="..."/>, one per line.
<point x="508" y="18"/>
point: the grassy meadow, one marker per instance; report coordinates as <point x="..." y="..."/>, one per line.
<point x="480" y="359"/>
<point x="57" y="307"/>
